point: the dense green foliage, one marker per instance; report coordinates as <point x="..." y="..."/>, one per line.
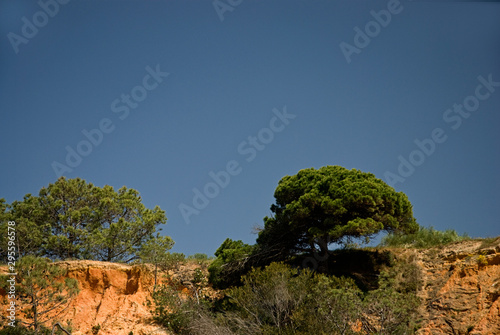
<point x="31" y="228"/>
<point x="73" y="219"/>
<point x="372" y="294"/>
<point x="154" y="251"/>
<point x="171" y="310"/>
<point x="331" y="205"/>
<point x="268" y="298"/>
<point x="200" y="258"/>
<point x="39" y="287"/>
<point x="280" y="299"/>
<point x="176" y="311"/>
<point x="333" y="306"/>
<point x="423" y="238"/>
<point x="17" y="330"/>
<point x="4" y="216"/>
<point x="314" y="209"/>
<point x="226" y="269"/>
<point x="268" y="288"/>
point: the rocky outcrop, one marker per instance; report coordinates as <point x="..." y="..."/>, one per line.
<point x="112" y="299"/>
<point x="461" y="288"/>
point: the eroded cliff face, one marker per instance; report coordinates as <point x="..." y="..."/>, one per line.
<point x="461" y="288"/>
<point x="460" y="292"/>
<point x="113" y="298"/>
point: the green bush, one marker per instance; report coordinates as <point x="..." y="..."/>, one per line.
<point x="271" y="296"/>
<point x="198" y="257"/>
<point x="172" y="311"/>
<point x="423" y="238"/>
<point x="391" y="312"/>
<point x="40" y="289"/>
<point x="172" y="260"/>
<point x="332" y="306"/>
<point x="282" y="300"/>
<point x="226" y="270"/>
<point x="201" y="259"/>
<point x="17" y="330"/>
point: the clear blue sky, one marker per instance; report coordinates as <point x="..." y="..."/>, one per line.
<point x="80" y="65"/>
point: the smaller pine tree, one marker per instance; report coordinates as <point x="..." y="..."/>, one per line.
<point x="40" y="287"/>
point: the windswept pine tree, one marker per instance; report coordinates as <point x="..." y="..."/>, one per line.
<point x="315" y="208"/>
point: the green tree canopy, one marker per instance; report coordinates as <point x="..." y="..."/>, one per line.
<point x="331" y="205"/>
<point x="155" y="251"/>
<point x="31" y="227"/>
<point x="270" y="296"/>
<point x="3" y="209"/>
<point x="75" y="219"/>
<point x="226" y="269"/>
<point x="122" y="224"/>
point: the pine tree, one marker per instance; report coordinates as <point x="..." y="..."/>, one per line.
<point x="41" y="288"/>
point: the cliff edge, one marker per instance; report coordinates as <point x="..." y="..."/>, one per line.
<point x="460" y="290"/>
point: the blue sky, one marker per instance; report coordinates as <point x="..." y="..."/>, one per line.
<point x="259" y="88"/>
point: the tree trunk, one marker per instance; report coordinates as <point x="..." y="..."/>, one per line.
<point x="156" y="272"/>
<point x="60" y="327"/>
<point x="35" y="315"/>
<point x="323" y="257"/>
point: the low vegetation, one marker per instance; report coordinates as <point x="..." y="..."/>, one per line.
<point x="40" y="290"/>
<point x="423" y="238"/>
<point x="281" y="299"/>
<point x="289" y="283"/>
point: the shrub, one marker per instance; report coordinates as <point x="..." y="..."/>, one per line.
<point x="390" y="312"/>
<point x="17" y="330"/>
<point x="423" y="238"/>
<point x="481" y="260"/>
<point x="198" y="257"/>
<point x="171" y="311"/>
<point x="333" y="306"/>
<point x="201" y="259"/>
<point x="226" y="270"/>
<point x="282" y="300"/>
<point x="391" y="309"/>
<point x="172" y="260"/>
<point x="40" y="289"/>
<point x="270" y="296"/>
<point x="176" y="310"/>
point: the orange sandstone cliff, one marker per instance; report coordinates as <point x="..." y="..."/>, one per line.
<point x="461" y="288"/>
<point x="113" y="298"/>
